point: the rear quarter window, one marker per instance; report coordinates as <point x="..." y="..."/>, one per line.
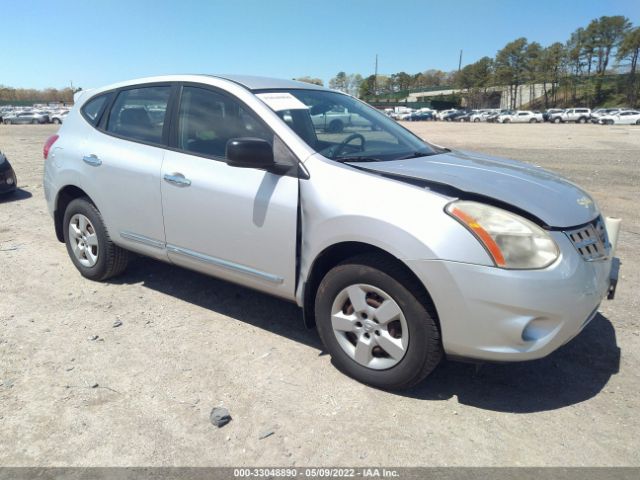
<point x="91" y="110"/>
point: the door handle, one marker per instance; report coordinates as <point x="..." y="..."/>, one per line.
<point x="177" y="179"/>
<point x="92" y="160"/>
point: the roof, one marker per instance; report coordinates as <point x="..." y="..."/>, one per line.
<point x="265" y="83"/>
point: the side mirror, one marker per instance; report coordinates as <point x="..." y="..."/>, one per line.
<point x="250" y="152"/>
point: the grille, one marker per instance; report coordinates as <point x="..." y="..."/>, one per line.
<point x="591" y="240"/>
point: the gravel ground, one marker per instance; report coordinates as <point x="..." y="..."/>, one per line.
<point x="77" y="391"/>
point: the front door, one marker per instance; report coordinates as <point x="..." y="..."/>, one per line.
<point x="239" y="224"/>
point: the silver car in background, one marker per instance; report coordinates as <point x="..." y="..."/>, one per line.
<point x="397" y="250"/>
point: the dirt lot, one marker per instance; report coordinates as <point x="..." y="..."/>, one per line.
<point x="188" y="343"/>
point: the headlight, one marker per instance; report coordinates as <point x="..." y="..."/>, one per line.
<point x="511" y="240"/>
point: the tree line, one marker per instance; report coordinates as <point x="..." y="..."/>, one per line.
<point x="48" y="95"/>
<point x="595" y="66"/>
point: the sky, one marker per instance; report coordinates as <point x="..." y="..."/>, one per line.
<point x="94" y="43"/>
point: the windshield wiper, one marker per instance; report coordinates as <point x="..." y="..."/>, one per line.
<point x="357" y="159"/>
<point x="414" y="155"/>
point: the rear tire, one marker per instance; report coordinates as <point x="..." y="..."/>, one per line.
<point x="556" y="120"/>
<point x="109" y="260"/>
<point x="414" y="324"/>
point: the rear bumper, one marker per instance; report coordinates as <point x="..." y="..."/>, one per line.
<point x="8" y="178"/>
<point x="488" y="313"/>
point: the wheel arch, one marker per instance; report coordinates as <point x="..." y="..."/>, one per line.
<point x="337" y="253"/>
<point x="65" y="196"/>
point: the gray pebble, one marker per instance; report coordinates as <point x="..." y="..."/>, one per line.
<point x="266" y="433"/>
<point x="220" y="416"/>
<point x="117" y="324"/>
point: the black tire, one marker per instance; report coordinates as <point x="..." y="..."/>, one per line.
<point x="34" y="122"/>
<point x="476" y="120"/>
<point x="56" y="121"/>
<point x="424" y="350"/>
<point x="336" y="126"/>
<point x="112" y="260"/>
<point x="582" y="120"/>
<point x="556" y="120"/>
<point x="637" y="122"/>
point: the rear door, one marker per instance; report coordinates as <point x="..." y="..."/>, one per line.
<point x="122" y="162"/>
<point x="235" y="223"/>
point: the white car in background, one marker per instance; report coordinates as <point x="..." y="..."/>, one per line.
<point x="480" y="116"/>
<point x="524" y="116"/>
<point x="58" y="117"/>
<point x="578" y="115"/>
<point x="626" y="117"/>
<point x="505" y="117"/>
<point x="440" y="115"/>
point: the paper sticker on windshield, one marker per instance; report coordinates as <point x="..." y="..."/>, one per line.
<point x="279" y="101"/>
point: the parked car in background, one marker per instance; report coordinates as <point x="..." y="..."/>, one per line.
<point x="504" y="116"/>
<point x="550" y="114"/>
<point x="466" y="116"/>
<point x="481" y="116"/>
<point x="26" y="117"/>
<point x="597" y="114"/>
<point x="443" y="113"/>
<point x="8" y="180"/>
<point x="625" y="117"/>
<point x="452" y="116"/>
<point x="58" y="117"/>
<point x="420" y="116"/>
<point x="524" y="116"/>
<point x="503" y="261"/>
<point x="577" y="115"/>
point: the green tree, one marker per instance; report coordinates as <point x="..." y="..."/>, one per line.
<point x="629" y="49"/>
<point x="367" y="87"/>
<point x="511" y="67"/>
<point x="339" y="82"/>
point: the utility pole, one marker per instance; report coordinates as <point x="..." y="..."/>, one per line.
<point x="460" y="61"/>
<point x="375" y="78"/>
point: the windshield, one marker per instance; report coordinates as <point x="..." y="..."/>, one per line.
<point x="342" y="128"/>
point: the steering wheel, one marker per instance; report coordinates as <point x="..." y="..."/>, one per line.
<point x="346" y="142"/>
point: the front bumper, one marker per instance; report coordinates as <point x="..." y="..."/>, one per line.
<point x="488" y="313"/>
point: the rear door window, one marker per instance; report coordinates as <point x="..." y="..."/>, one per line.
<point x="139" y="113"/>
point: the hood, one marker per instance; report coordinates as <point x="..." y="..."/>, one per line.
<point x="555" y="201"/>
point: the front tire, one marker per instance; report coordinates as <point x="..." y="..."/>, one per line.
<point x="88" y="243"/>
<point x="336" y="126"/>
<point x="377" y="324"/>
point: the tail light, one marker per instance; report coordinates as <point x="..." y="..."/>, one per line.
<point x="48" y="144"/>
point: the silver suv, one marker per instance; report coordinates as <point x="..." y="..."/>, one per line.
<point x="397" y="250"/>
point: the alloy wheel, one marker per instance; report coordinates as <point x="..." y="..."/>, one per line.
<point x="83" y="240"/>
